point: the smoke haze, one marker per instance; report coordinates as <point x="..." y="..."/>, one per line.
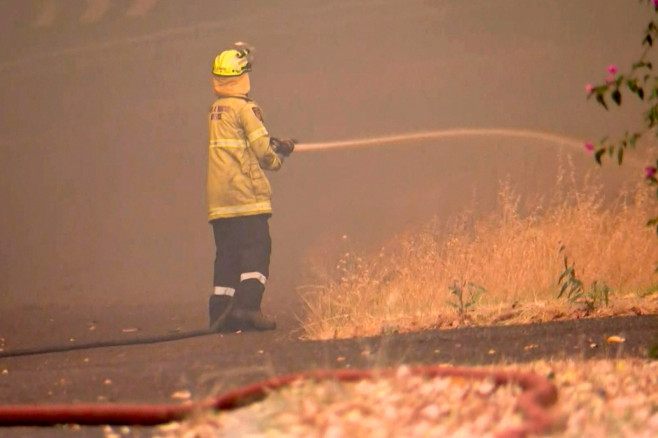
<point x="103" y="135"/>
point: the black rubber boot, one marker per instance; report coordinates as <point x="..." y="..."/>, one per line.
<point x="219" y="308"/>
<point x="246" y="315"/>
<point x="243" y="319"/>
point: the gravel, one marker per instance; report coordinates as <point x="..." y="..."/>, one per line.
<point x="597" y="398"/>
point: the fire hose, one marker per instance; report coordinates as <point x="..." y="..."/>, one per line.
<point x="537" y="397"/>
<point x="309" y="147"/>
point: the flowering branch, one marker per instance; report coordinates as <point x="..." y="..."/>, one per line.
<point x="640" y="81"/>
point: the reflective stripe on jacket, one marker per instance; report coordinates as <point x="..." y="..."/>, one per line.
<point x="238" y="152"/>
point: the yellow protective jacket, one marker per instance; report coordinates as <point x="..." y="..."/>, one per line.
<point x="238" y="152"/>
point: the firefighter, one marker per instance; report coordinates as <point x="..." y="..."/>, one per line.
<point x="238" y="195"/>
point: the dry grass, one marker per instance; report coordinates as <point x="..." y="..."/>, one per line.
<point x="598" y="398"/>
<point x="514" y="256"/>
<point x="505" y="267"/>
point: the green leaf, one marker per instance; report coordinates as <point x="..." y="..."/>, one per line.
<point x="652" y="116"/>
<point x="632" y="85"/>
<point x="616" y="96"/>
<point x="648" y="41"/>
<point x="601" y="100"/>
<point x="633" y="140"/>
<point x="598" y="154"/>
<point x="562" y="289"/>
<point x="641" y="64"/>
<point x="620" y="155"/>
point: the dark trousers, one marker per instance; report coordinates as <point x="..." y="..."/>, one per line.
<point x="242" y="262"/>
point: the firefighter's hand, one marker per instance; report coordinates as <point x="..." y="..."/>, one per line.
<point x="283" y="146"/>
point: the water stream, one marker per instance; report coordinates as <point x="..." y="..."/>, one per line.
<point x="441" y="134"/>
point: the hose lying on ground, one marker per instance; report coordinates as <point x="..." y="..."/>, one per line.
<point x="104" y="344"/>
<point x="537" y="396"/>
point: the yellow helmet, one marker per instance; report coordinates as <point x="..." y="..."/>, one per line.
<point x="233" y="62"/>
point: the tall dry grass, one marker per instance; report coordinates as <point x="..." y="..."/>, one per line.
<point x="515" y="254"/>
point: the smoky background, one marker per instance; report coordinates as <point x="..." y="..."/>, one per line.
<point x="103" y="134"/>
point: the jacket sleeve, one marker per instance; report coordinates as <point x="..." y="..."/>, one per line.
<point x="258" y="137"/>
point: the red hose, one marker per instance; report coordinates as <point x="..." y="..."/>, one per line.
<point x="537" y="397"/>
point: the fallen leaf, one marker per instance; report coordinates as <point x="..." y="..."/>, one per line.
<point x="486" y="387"/>
<point x="403" y="371"/>
<point x="169" y="426"/>
<point x="569" y="377"/>
<point x="615" y="339"/>
<point x="181" y="395"/>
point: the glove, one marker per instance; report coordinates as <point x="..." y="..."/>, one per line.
<point x="283" y="146"/>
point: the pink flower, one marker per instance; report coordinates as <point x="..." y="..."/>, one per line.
<point x="649" y="171"/>
<point x="589" y="88"/>
<point x="655" y="3"/>
<point x="612" y="69"/>
<point x="589" y="147"/>
<point x="610" y="79"/>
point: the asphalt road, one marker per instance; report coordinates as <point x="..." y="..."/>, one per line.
<point x="209" y="365"/>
